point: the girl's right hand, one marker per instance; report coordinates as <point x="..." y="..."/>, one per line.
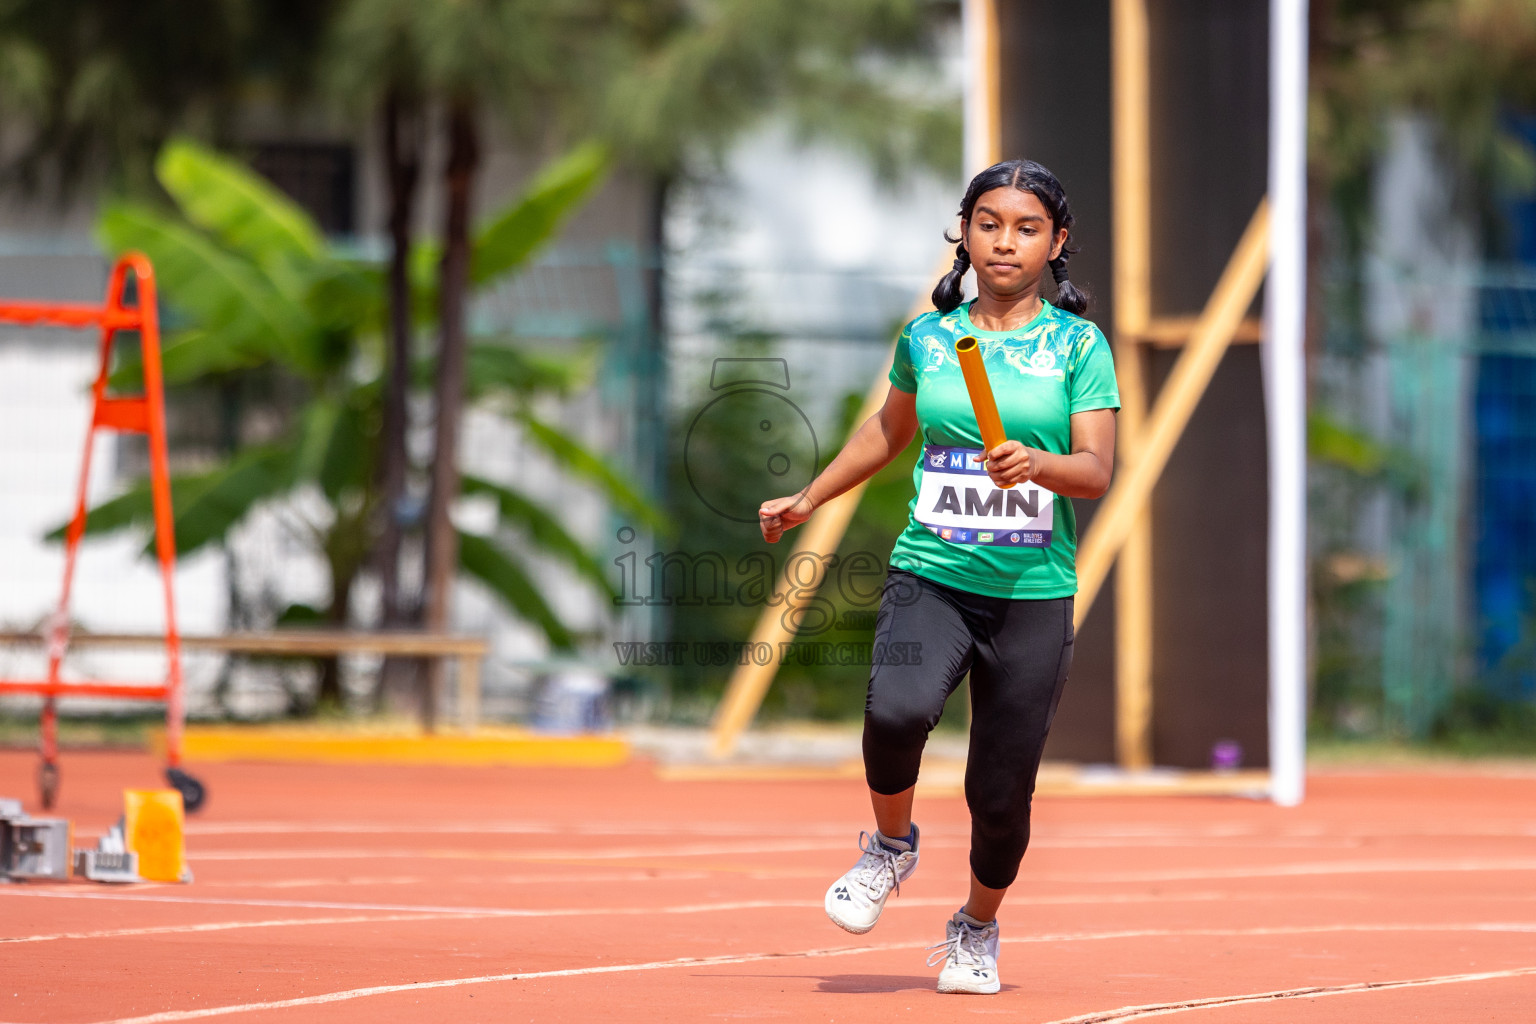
<point x="782" y="514"/>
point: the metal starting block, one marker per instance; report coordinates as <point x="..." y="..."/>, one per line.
<point x="100" y="866"/>
<point x="111" y="861"/>
<point x="32" y="847"/>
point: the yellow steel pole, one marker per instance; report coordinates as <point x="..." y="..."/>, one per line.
<point x="1175" y="403"/>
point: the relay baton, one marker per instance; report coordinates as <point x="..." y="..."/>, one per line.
<point x="976" y="383"/>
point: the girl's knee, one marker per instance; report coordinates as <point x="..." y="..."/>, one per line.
<point x="896" y="725"/>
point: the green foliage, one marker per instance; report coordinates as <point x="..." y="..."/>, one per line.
<point x="498" y="366"/>
<point x="687" y="78"/>
<point x="543" y="529"/>
<point x="513" y="236"/>
<point x="576" y="459"/>
<point x="508" y="240"/>
<point x="100" y="84"/>
<point x="245" y="317"/>
<point x="1478" y="721"/>
<point x="1463" y="63"/>
<point x="1332" y="442"/>
<point x="715" y="575"/>
<point x="507" y="580"/>
<point x="206" y="505"/>
<point x="237" y="207"/>
<point x="882" y="514"/>
<point x="250" y="275"/>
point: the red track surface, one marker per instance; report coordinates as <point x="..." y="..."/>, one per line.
<point x="431" y="894"/>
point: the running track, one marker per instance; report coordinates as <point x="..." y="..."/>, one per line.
<point x="385" y="895"/>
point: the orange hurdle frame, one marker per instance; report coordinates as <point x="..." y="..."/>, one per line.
<point x="142" y="414"/>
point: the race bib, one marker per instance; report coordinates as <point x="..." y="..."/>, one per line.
<point x="959" y="502"/>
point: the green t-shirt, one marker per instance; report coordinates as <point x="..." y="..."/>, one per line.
<point x="962" y="531"/>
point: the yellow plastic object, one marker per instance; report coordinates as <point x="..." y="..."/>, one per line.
<point x="976" y="382"/>
<point x="153" y="829"/>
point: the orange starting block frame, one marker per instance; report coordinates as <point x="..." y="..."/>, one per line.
<point x="142" y="414"/>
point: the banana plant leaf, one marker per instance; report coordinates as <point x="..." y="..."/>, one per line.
<point x="185" y="356"/>
<point x="483" y="560"/>
<point x="205" y="505"/>
<point x="238" y="206"/>
<point x="508" y="240"/>
<point x="347" y="295"/>
<point x="575" y="458"/>
<point x="512" y="237"/>
<point x="222" y="293"/>
<point x="349" y="461"/>
<point x="317" y="427"/>
<point x="501" y="366"/>
<point x="543" y="529"/>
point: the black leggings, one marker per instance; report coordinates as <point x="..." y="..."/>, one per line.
<point x="1017" y="652"/>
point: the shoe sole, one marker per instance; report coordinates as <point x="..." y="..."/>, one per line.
<point x="972" y="990"/>
<point x="850" y="928"/>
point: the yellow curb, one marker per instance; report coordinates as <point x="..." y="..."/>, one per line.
<point x="309" y="745"/>
<point x="759" y="772"/>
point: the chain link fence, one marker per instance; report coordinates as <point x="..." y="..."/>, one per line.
<point x="1424" y="502"/>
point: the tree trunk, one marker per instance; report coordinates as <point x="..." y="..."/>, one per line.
<point x="448" y="391"/>
<point x="651" y="387"/>
<point x="398" y="677"/>
<point x="329" y="696"/>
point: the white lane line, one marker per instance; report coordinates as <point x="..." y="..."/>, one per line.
<point x="1263" y="931"/>
<point x="831" y="839"/>
<point x="228" y="926"/>
<point x="411" y="912"/>
<point x="1066" y="899"/>
<point x="169" y="1016"/>
<point x="1495" y="829"/>
<point x="480" y="912"/>
<point x="408" y="908"/>
<point x="584" y="878"/>
<point x="687" y="908"/>
<point x="1340" y="867"/>
<point x="521" y="828"/>
<point x="1130" y="1013"/>
<point x="596" y="853"/>
<point x="1293" y="870"/>
<point x="801" y="845"/>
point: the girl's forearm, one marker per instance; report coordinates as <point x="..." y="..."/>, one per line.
<point x="868" y="451"/>
<point x="1079" y="475"/>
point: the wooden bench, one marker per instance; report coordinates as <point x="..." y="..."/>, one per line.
<point x="468" y="651"/>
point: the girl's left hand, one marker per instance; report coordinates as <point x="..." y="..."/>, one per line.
<point x="1011" y="463"/>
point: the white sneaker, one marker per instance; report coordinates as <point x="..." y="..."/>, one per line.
<point x="970" y="956"/>
<point x="854" y="901"/>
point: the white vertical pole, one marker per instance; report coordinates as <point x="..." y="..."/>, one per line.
<point x="1285" y="386"/>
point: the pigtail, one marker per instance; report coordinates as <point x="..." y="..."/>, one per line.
<point x="948" y="292"/>
<point x="1068" y="295"/>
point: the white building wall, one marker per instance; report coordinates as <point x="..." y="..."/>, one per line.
<point x="44" y="414"/>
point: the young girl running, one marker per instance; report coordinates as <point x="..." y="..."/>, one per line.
<point x="984" y="574"/>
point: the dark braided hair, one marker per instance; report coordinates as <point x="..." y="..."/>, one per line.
<point x="1026" y="176"/>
